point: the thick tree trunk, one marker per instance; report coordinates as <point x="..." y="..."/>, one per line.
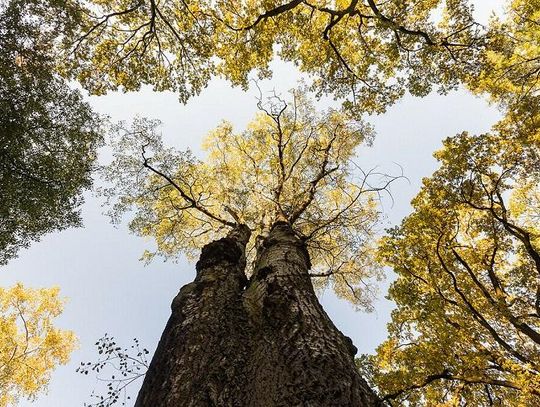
<point x="265" y="345"/>
<point x="201" y="356"/>
<point x="299" y="357"/>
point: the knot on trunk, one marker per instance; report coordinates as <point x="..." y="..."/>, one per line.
<point x="353" y="350"/>
<point x="241" y="234"/>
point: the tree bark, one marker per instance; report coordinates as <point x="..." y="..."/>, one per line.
<point x="267" y="344"/>
<point x="299" y="357"/>
<point x="202" y="352"/>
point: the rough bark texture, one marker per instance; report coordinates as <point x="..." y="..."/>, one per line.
<point x="266" y="344"/>
<point x="299" y="357"/>
<point x="202" y="352"/>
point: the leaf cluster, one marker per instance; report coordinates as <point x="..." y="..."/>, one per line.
<point x="30" y="345"/>
<point x="48" y="134"/>
<point x="365" y="51"/>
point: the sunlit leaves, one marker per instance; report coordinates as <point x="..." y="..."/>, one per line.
<point x="511" y="62"/>
<point x="292" y="163"/>
<point x="124" y="44"/>
<point x="30" y="345"/>
<point x="467" y="323"/>
<point x="367" y="52"/>
<point x="510" y="69"/>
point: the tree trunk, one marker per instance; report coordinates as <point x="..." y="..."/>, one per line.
<point x="299" y="357"/>
<point x="268" y="344"/>
<point x="202" y="352"/>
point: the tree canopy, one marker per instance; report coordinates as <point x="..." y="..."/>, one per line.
<point x="48" y="134"/>
<point x="365" y="51"/>
<point x="466" y="328"/>
<point x="30" y="346"/>
<point x="467" y="323"/>
<point x="292" y="163"/>
<point x="509" y="65"/>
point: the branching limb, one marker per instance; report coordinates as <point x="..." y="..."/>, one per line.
<point x="194" y="203"/>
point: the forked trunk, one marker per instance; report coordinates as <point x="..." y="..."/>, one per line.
<point x="265" y="345"/>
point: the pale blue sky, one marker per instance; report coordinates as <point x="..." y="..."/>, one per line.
<point x="97" y="266"/>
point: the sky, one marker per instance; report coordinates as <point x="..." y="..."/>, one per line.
<point x="110" y="291"/>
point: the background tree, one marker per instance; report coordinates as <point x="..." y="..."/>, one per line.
<point x="509" y="70"/>
<point x="48" y="135"/>
<point x="369" y="52"/>
<point x="468" y="257"/>
<point x="30" y="345"/>
<point x="48" y="139"/>
<point x="289" y="179"/>
<point x="467" y="326"/>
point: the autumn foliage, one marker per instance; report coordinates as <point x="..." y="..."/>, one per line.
<point x="30" y="345"/>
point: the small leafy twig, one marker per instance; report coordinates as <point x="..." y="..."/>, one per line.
<point x="117" y="367"/>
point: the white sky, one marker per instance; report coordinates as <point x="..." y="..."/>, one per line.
<point x="110" y="291"/>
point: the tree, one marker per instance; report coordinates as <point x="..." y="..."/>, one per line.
<point x="30" y="345"/>
<point x="48" y="135"/>
<point x="279" y="203"/>
<point x="467" y="325"/>
<point x="466" y="329"/>
<point x="509" y="70"/>
<point x="368" y="52"/>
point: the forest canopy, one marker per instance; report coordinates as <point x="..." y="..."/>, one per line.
<point x="369" y="53"/>
<point x="466" y="327"/>
<point x="466" y="260"/>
